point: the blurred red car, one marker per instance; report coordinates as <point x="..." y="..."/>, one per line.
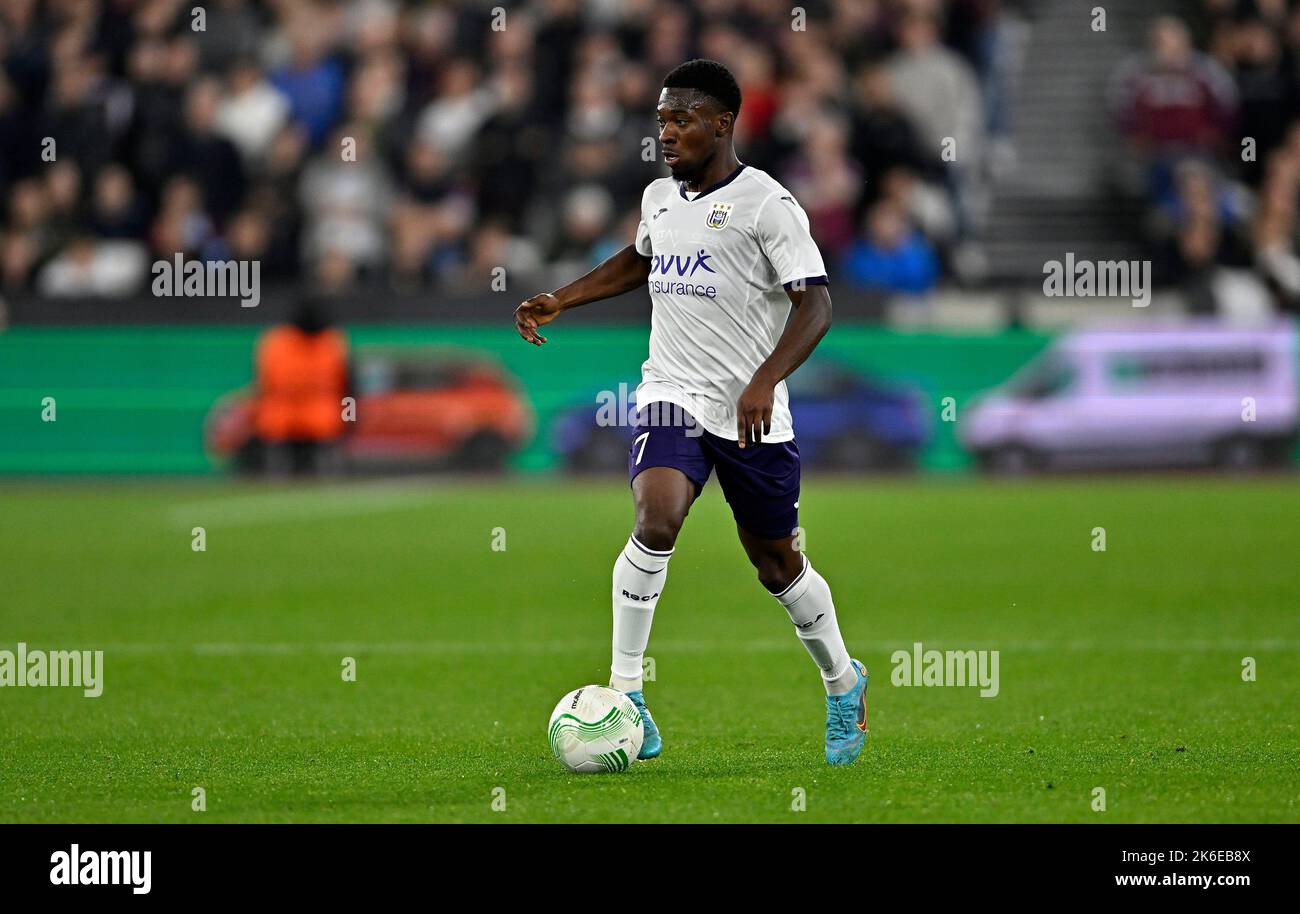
<point x="415" y="410"/>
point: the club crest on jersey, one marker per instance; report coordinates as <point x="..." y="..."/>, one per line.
<point x="719" y="215"/>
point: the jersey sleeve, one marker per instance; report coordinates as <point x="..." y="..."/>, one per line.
<point x="643" y="230"/>
<point x="787" y="243"/>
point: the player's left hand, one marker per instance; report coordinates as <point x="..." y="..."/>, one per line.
<point x="532" y="313"/>
<point x="754" y="411"/>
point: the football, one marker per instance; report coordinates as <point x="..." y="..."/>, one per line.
<point x="595" y="729"/>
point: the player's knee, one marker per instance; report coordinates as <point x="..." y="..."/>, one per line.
<point x="658" y="533"/>
<point x="775" y="573"/>
<point x="777" y="567"/>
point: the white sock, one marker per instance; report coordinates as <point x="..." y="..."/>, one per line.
<point x="639" y="575"/>
<point x="808" y="601"/>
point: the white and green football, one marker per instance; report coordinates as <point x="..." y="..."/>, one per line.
<point x="595" y="729"/>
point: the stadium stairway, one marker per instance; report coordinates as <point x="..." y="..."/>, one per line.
<point x="1062" y="195"/>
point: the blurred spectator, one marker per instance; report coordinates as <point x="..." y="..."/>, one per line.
<point x="18" y="146"/>
<point x="157" y="79"/>
<point x="181" y="226"/>
<point x="251" y="112"/>
<point x="588" y="212"/>
<point x="938" y="91"/>
<point x="311" y="80"/>
<point x="1276" y="232"/>
<point x="211" y="160"/>
<point x="891" y="256"/>
<point x="375" y="99"/>
<point x="883" y="136"/>
<point x="232" y="34"/>
<point x="247" y="238"/>
<point x="509" y="148"/>
<point x="859" y="30"/>
<point x="980" y="31"/>
<point x="1172" y="101"/>
<point x="462" y="105"/>
<point x="431" y="219"/>
<point x="827" y="183"/>
<point x="345" y="203"/>
<point x="77" y="110"/>
<point x="117" y="211"/>
<point x="493" y="249"/>
<point x="927" y="206"/>
<point x="63" y="193"/>
<point x="91" y="268"/>
<point x="29" y="240"/>
<point x="1267" y="96"/>
<point x="1205" y="235"/>
<point x="755" y="72"/>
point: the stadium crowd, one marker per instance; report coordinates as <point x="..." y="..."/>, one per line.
<point x="422" y="144"/>
<point x="1211" y="113"/>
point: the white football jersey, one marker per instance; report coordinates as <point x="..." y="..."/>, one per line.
<point x="720" y="265"/>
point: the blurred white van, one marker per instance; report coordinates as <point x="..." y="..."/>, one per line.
<point x="1197" y="393"/>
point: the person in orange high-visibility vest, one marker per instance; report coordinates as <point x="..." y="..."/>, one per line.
<point x="302" y="378"/>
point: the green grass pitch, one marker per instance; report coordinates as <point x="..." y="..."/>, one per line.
<point x="1119" y="669"/>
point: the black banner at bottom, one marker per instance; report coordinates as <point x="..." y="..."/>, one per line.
<point x="335" y="862"/>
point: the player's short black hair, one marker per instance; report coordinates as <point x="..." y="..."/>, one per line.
<point x="709" y="77"/>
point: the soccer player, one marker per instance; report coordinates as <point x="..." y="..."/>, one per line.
<point x="726" y="252"/>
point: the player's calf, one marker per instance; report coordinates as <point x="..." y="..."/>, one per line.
<point x="807" y="600"/>
<point x="638" y="579"/>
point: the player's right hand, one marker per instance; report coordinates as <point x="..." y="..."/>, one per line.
<point x="531" y="314"/>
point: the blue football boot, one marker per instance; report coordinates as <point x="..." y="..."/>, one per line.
<point x="652" y="744"/>
<point x="846" y="721"/>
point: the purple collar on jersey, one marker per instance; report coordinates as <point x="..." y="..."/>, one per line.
<point x="681" y="185"/>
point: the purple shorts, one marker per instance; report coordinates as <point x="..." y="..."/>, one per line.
<point x="759" y="481"/>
